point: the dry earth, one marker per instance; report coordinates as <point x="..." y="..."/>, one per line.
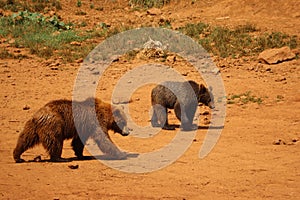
<point x="245" y="163"/>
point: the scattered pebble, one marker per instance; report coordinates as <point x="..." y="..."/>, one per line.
<point x="121" y="100"/>
<point x="280" y="79"/>
<point x="215" y="71"/>
<point x="73" y="166"/>
<point x="279" y="142"/>
<point x="26" y="107"/>
<point x="295" y="140"/>
<point x="205" y="113"/>
<point x="154" y="11"/>
<point x="37" y="159"/>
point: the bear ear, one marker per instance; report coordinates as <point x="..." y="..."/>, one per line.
<point x="202" y="89"/>
<point x="115" y="110"/>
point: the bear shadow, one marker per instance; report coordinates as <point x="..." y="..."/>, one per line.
<point x="198" y="127"/>
<point x="85" y="158"/>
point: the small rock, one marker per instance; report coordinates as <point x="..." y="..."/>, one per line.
<point x="121" y="100"/>
<point x="37" y="159"/>
<point x="138" y="14"/>
<point x="55" y="64"/>
<point x="251" y="68"/>
<point x="52" y="13"/>
<point x="80" y="60"/>
<point x="185" y="73"/>
<point x="73" y="166"/>
<point x="206" y="121"/>
<point x="296" y="51"/>
<point x="279" y="142"/>
<point x="171" y="59"/>
<point x="12" y="41"/>
<point x="280" y="79"/>
<point x="205" y="113"/>
<point x="268" y="69"/>
<point x="215" y="71"/>
<point x="274" y="56"/>
<point x="75" y="43"/>
<point x="26" y="107"/>
<point x="295" y="140"/>
<point x="154" y="11"/>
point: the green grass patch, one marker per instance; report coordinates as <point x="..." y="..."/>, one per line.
<point x="43" y="36"/>
<point x="237" y="42"/>
<point x="244" y="98"/>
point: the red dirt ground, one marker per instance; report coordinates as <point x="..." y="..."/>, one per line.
<point x="245" y="164"/>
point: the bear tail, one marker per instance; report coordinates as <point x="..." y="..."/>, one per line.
<point x="27" y="139"/>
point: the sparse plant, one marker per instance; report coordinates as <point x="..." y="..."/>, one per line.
<point x="194" y="30"/>
<point x="279" y="98"/>
<point x="148" y="3"/>
<point x="79" y="3"/>
<point x="100" y="8"/>
<point x="80" y="13"/>
<point x="244" y="98"/>
<point x="92" y="6"/>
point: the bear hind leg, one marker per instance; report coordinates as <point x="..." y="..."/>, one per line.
<point x="78" y="147"/>
<point x="162" y="116"/>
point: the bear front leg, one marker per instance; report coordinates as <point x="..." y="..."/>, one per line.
<point x="154" y="119"/>
<point x="27" y="139"/>
<point x="18" y="152"/>
<point x="185" y="116"/>
<point x="105" y="144"/>
<point x="53" y="143"/>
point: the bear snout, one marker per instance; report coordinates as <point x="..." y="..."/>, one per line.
<point x="125" y="131"/>
<point x="211" y="105"/>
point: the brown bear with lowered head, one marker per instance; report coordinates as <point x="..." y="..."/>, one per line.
<point x="183" y="97"/>
<point x="63" y="119"/>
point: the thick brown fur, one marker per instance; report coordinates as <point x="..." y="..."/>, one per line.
<point x="63" y="119"/>
<point x="183" y="97"/>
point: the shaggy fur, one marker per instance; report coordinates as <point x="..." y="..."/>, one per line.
<point x="183" y="97"/>
<point x="55" y="122"/>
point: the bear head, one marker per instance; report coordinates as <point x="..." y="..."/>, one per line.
<point x="119" y="124"/>
<point x="205" y="96"/>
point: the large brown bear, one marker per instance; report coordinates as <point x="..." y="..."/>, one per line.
<point x="183" y="97"/>
<point x="63" y="119"/>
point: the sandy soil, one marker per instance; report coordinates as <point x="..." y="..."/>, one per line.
<point x="245" y="163"/>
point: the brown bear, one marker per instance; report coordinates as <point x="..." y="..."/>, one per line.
<point x="65" y="119"/>
<point x="183" y="97"/>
